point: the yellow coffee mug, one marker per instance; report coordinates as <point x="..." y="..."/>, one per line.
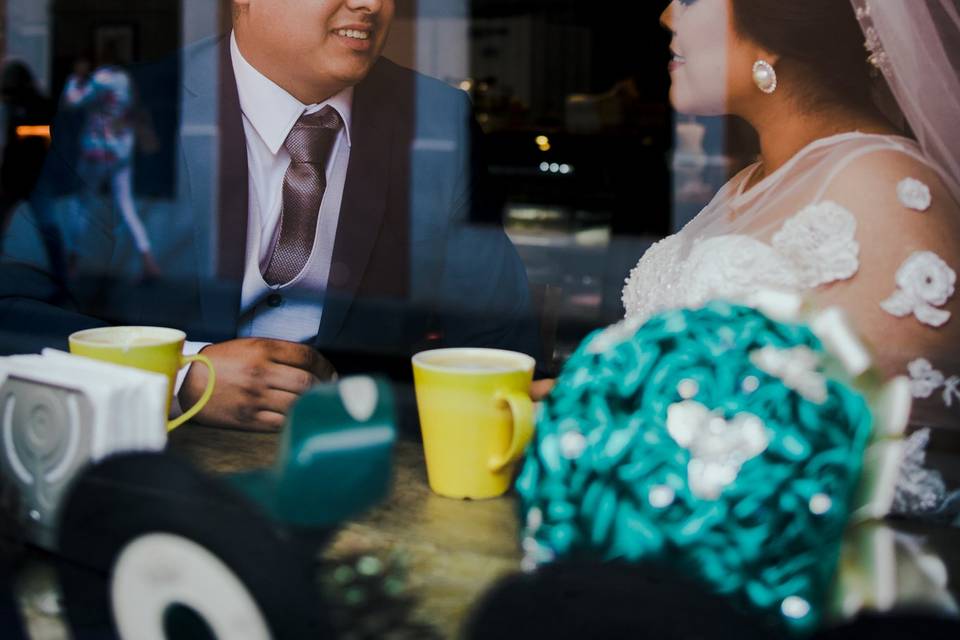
<point x="156" y="349"/>
<point x="476" y="417"/>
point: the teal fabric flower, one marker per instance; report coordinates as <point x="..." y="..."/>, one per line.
<point x="710" y="439"/>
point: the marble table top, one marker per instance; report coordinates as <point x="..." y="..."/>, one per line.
<point x="453" y="550"/>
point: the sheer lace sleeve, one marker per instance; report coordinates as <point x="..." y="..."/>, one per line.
<point x="859" y="221"/>
<point x="903" y="299"/>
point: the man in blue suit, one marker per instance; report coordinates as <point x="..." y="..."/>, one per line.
<point x="342" y="239"/>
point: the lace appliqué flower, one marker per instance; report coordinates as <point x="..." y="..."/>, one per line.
<point x="913" y="194"/>
<point x="718" y="447"/>
<point x="796" y="367"/>
<point x="821" y="243"/>
<point x="919" y="490"/>
<point x="733" y="267"/>
<point x="925" y="380"/>
<point x="951" y="390"/>
<point x="814" y="247"/>
<point x="925" y="282"/>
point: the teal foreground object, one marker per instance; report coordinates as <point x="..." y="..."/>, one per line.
<point x="712" y="440"/>
<point x="335" y="456"/>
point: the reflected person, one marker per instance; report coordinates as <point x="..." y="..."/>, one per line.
<point x="107" y="141"/>
<point x="29" y="114"/>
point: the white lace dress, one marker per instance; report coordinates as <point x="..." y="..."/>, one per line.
<point x="864" y="222"/>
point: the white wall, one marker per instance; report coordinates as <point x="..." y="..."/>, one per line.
<point x="29" y="36"/>
<point x="433" y="39"/>
<point x="200" y="19"/>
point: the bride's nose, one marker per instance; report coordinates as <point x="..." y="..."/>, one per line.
<point x="666" y="18"/>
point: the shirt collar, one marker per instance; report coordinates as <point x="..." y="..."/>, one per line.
<point x="271" y="110"/>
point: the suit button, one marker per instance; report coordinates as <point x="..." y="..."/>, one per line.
<point x="274" y="300"/>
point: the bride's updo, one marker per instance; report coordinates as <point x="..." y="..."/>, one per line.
<point x="821" y="45"/>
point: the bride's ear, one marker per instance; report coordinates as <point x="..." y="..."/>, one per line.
<point x="770" y="57"/>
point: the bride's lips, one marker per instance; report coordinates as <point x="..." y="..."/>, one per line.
<point x="358" y="37"/>
<point x="676" y="61"/>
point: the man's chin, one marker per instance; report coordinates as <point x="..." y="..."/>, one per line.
<point x="353" y="74"/>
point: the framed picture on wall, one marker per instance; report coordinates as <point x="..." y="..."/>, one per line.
<point x="115" y="40"/>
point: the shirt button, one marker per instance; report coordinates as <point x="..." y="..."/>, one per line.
<point x="274" y="300"/>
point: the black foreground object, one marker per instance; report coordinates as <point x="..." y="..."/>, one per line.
<point x="579" y="600"/>
<point x="11" y="546"/>
<point x="11" y="625"/>
<point x="131" y="497"/>
<point x="905" y="626"/>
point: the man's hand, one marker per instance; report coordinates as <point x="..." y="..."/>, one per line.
<point x="257" y="381"/>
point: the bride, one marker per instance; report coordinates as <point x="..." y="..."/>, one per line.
<point x="854" y="200"/>
<point x="854" y="203"/>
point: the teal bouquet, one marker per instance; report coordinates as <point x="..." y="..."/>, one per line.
<point x="718" y="441"/>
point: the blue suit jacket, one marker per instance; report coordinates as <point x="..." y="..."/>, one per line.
<point x="409" y="269"/>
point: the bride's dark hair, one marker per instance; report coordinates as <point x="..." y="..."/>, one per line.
<point x="821" y="46"/>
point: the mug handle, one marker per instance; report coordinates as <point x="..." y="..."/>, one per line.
<point x="201" y="403"/>
<point x="521" y="407"/>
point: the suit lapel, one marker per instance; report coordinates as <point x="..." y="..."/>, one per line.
<point x="233" y="188"/>
<point x="364" y="203"/>
<point x="211" y="100"/>
<point x="211" y="90"/>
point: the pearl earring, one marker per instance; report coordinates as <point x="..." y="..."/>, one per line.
<point x="764" y="76"/>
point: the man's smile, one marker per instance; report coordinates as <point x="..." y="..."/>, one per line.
<point x="353" y="33"/>
<point x="357" y="35"/>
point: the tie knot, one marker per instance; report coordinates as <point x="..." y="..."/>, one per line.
<point x="312" y="136"/>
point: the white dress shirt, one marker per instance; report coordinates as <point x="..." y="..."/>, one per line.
<point x="269" y="113"/>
